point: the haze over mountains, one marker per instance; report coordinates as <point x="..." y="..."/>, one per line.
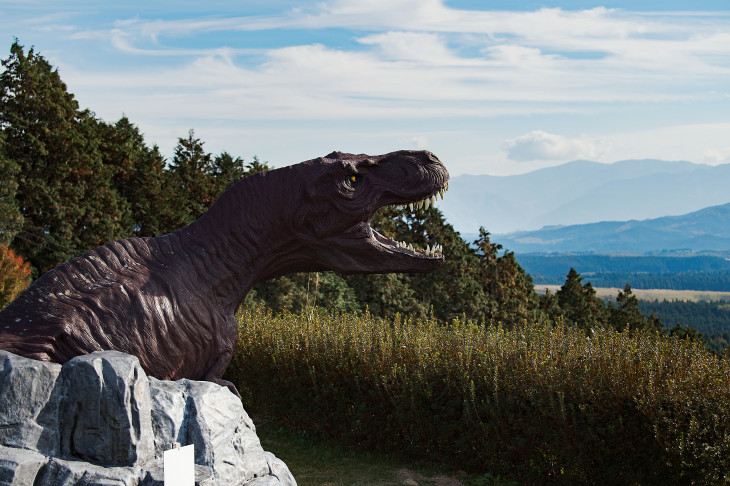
<point x="704" y="230"/>
<point x="582" y="192"/>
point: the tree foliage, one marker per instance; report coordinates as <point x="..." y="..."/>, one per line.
<point x="64" y="190"/>
<point x="14" y="275"/>
<point x="70" y="182"/>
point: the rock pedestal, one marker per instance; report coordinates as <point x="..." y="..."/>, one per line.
<point x="99" y="420"/>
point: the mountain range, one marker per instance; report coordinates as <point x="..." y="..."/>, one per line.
<point x="583" y="192"/>
<point x="704" y="230"/>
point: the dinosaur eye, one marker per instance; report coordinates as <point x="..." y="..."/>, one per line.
<point x="354" y="180"/>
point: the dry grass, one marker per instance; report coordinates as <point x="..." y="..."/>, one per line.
<point x="653" y="294"/>
<point x="540" y="404"/>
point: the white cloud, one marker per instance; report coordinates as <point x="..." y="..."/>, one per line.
<point x="717" y="156"/>
<point x="411" y="46"/>
<point x="483" y="58"/>
<point x="539" y="145"/>
<point x="413" y="62"/>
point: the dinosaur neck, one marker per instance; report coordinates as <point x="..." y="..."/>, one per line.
<point x="244" y="238"/>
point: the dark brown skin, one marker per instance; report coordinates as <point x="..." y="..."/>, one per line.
<point x="170" y="300"/>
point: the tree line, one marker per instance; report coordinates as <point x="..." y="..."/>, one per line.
<point x="70" y="181"/>
<point x="715" y="280"/>
<point x="688" y="272"/>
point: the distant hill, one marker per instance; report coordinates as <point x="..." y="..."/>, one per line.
<point x="582" y="192"/>
<point x="704" y="230"/>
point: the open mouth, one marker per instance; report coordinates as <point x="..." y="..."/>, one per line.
<point x="434" y="250"/>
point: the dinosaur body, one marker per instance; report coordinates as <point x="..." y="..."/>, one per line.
<point x="170" y="300"/>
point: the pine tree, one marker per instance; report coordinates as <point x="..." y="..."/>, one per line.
<point x="141" y="178"/>
<point x="549" y="306"/>
<point x="191" y="169"/>
<point x="506" y="283"/>
<point x="579" y="303"/>
<point x="10" y="218"/>
<point x="64" y="193"/>
<point x="225" y="170"/>
<point x="628" y="315"/>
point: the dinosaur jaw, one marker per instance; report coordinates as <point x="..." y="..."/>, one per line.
<point x="403" y="248"/>
<point x="368" y="251"/>
<point x="433" y="250"/>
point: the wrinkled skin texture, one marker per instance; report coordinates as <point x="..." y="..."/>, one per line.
<point x="170" y="300"/>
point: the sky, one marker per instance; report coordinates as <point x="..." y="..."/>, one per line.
<point x="490" y="86"/>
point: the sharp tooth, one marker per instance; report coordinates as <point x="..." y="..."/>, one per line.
<point x="447" y="186"/>
<point x="441" y="193"/>
<point x="428" y="248"/>
<point x="433" y="200"/>
<point x="410" y="247"/>
<point x="427" y="203"/>
<point x="410" y="205"/>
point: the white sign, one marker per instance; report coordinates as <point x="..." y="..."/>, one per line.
<point x="179" y="464"/>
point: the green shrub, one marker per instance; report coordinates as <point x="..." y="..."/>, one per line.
<point x="539" y="404"/>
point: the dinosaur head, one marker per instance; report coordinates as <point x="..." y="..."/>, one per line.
<point x="341" y="194"/>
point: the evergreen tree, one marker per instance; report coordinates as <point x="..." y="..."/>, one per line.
<point x="10" y="218"/>
<point x="256" y="166"/>
<point x="506" y="284"/>
<point x="225" y="170"/>
<point x="191" y="170"/>
<point x="141" y="178"/>
<point x="549" y="306"/>
<point x="63" y="192"/>
<point x="628" y="315"/>
<point x="579" y="303"/>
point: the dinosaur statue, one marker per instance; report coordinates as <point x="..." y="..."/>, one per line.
<point x="170" y="300"/>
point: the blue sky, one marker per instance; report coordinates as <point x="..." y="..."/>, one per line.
<point x="495" y="87"/>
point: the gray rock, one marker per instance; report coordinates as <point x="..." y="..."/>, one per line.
<point x="263" y="481"/>
<point x="28" y="403"/>
<point x="59" y="472"/>
<point x="155" y="475"/>
<point x="169" y="411"/>
<point x="105" y="410"/>
<point x="19" y="467"/>
<point x="215" y="422"/>
<point x="100" y="421"/>
<point x="279" y="470"/>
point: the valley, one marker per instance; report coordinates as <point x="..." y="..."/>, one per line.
<point x="652" y="294"/>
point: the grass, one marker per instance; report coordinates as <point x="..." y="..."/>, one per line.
<point x="315" y="461"/>
<point x="540" y="404"/>
<point x="653" y="294"/>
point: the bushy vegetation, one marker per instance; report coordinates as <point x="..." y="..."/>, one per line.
<point x="540" y="403"/>
<point x="14" y="275"/>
